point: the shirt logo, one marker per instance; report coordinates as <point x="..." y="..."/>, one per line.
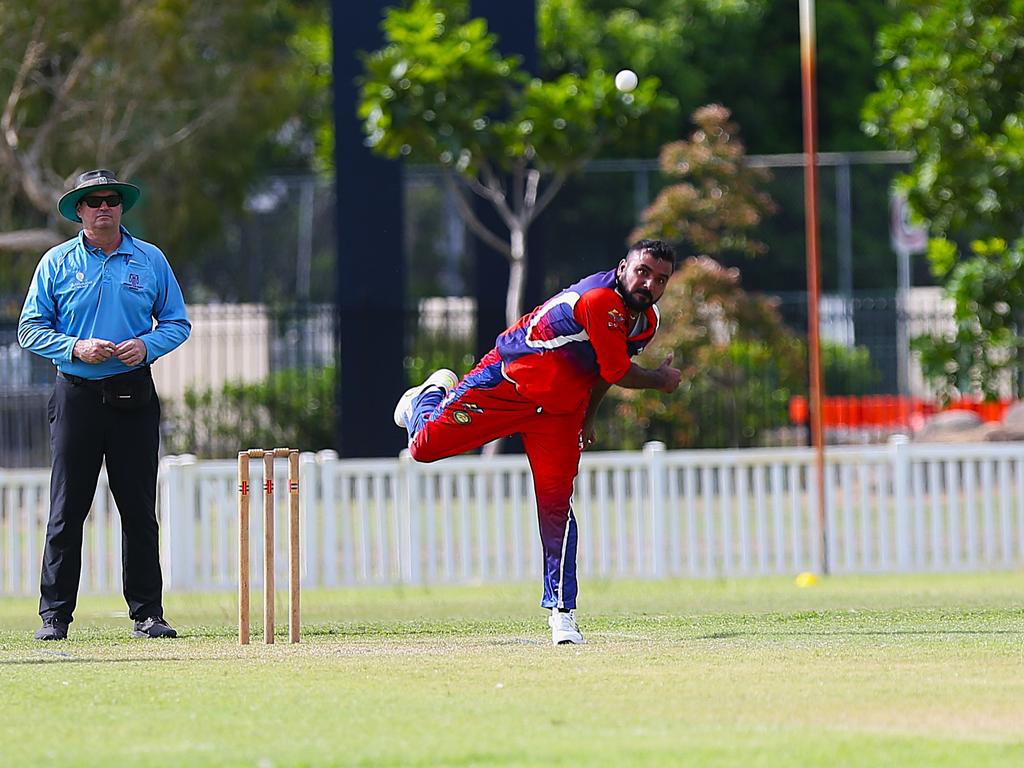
<point x="79" y="276"/>
<point x="615" y="318"/>
<point x="461" y="417"/>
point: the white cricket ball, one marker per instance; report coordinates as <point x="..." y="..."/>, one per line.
<point x="626" y="80"/>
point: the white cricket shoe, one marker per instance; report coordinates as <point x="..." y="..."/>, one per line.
<point x="564" y="630"/>
<point x="443" y="379"/>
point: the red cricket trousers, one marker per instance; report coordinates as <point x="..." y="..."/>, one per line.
<point x="485" y="406"/>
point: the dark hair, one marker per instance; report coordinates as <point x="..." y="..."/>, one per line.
<point x="658" y="249"/>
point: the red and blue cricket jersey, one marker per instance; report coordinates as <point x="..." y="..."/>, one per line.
<point x="537" y="382"/>
<point x="555" y="354"/>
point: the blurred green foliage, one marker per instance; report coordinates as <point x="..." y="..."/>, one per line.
<point x="950" y="86"/>
<point x="744" y="55"/>
<point x="193" y="101"/>
<point x="950" y="91"/>
<point x="847" y="370"/>
<point x="439" y="91"/>
<point x="741" y="365"/>
<point x="741" y="53"/>
<point x="432" y="350"/>
<point x="717" y="200"/>
<point x="266" y="66"/>
<point x="291" y="407"/>
<point x="985" y="353"/>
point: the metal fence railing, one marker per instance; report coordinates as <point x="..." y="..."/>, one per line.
<point x="252" y="374"/>
<point x="258" y="362"/>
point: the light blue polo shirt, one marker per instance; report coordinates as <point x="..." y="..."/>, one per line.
<point x="79" y="292"/>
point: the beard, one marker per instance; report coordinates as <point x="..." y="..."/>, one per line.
<point x="637" y="301"/>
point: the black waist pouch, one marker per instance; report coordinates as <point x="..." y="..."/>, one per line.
<point x="128" y="391"/>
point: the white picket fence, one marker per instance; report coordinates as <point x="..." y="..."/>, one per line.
<point x="649" y="514"/>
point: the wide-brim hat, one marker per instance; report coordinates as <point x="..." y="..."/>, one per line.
<point x="93" y="181"/>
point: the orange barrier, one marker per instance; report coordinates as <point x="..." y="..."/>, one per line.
<point x="886" y="411"/>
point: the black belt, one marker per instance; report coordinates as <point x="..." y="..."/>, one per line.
<point x="81" y="381"/>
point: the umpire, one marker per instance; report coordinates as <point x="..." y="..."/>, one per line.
<point x="91" y="309"/>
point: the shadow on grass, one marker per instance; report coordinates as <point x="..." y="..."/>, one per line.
<point x="94" y="660"/>
<point x="860" y="633"/>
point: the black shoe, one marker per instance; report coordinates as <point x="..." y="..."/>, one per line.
<point x="154" y="626"/>
<point x="52" y="629"/>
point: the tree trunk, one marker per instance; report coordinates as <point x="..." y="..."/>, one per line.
<point x="513" y="299"/>
<point x="516" y="274"/>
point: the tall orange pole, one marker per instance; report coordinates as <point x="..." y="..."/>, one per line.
<point x="810" y="122"/>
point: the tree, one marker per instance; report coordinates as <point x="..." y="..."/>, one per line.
<point x="580" y="36"/>
<point x="717" y="204"/>
<point x="439" y="92"/>
<point x="985" y="349"/>
<point x="698" y="49"/>
<point x="752" y="63"/>
<point x="740" y="366"/>
<point x="951" y="93"/>
<point x="188" y="99"/>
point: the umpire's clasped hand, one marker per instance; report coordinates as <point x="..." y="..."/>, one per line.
<point x="94" y="350"/>
<point x="131" y="351"/>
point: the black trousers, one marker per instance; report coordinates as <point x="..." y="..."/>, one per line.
<point x="84" y="431"/>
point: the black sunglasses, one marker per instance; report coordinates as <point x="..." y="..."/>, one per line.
<point x="112" y="201"/>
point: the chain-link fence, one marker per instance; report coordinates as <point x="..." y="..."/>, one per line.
<point x="255" y="375"/>
<point x="260" y="367"/>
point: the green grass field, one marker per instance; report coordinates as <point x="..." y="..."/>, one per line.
<point x="869" y="671"/>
